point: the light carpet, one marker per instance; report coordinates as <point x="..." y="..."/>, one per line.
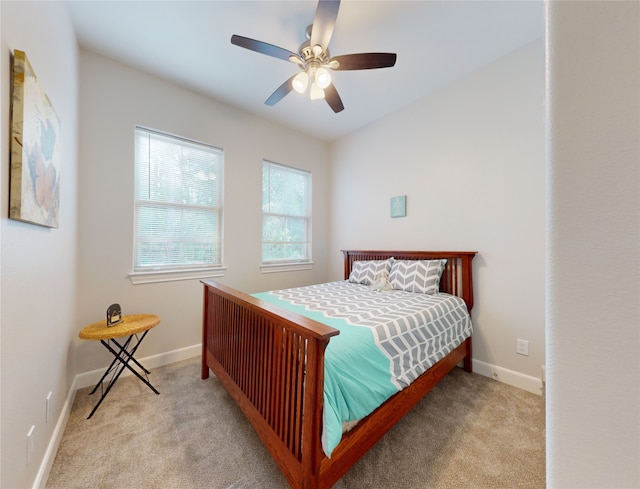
<point x="468" y="432"/>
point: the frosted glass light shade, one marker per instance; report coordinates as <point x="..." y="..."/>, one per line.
<point x="316" y="92"/>
<point x="300" y="82"/>
<point x="322" y="78"/>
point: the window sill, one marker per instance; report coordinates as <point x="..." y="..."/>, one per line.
<point x="174" y="275"/>
<point x="285" y="267"/>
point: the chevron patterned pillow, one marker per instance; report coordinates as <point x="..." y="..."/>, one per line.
<point x="366" y="272"/>
<point x="422" y="276"/>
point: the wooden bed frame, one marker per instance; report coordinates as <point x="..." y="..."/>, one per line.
<point x="272" y="363"/>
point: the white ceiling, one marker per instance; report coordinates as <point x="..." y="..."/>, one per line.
<point x="188" y="42"/>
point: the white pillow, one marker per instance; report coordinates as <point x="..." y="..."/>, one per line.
<point x="366" y="271"/>
<point x="422" y="276"/>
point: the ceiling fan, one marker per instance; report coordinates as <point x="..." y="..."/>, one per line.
<point x="314" y="59"/>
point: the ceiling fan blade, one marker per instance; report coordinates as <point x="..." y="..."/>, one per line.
<point x="280" y="92"/>
<point x="324" y="22"/>
<point x="364" y="61"/>
<point x="333" y="99"/>
<point x="263" y="48"/>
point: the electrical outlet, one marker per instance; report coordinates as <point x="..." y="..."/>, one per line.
<point x="47" y="407"/>
<point x="522" y="347"/>
<point x="30" y="437"/>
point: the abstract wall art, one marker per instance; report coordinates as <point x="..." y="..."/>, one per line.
<point x="398" y="206"/>
<point x="34" y="189"/>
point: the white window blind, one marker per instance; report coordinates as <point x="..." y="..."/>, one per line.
<point x="178" y="203"/>
<point x="286" y="214"/>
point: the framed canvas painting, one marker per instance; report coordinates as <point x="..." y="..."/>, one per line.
<point x="34" y="189"/>
<point x="398" y="206"/>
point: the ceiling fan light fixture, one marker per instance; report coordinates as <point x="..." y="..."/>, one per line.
<point x="322" y="77"/>
<point x="316" y="93"/>
<point x="314" y="59"/>
<point x="300" y="82"/>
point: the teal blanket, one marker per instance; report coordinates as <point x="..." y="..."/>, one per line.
<point x="386" y="340"/>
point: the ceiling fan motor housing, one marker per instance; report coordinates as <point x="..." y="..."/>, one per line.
<point x="308" y="54"/>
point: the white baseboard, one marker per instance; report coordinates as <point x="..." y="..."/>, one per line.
<point x="88" y="379"/>
<point x="91" y="378"/>
<point x="510" y="377"/>
<point x="56" y="438"/>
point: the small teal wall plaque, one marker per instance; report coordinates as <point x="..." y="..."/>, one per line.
<point x="399" y="206"/>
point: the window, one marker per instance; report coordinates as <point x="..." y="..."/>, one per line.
<point x="178" y="205"/>
<point x="286" y="215"/>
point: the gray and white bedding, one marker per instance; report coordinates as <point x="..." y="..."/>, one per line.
<point x="388" y="337"/>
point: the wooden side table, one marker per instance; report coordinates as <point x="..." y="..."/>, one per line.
<point x="134" y="328"/>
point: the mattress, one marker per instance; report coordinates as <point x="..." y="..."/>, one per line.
<point x="387" y="339"/>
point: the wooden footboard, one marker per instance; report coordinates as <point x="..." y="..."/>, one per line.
<point x="272" y="363"/>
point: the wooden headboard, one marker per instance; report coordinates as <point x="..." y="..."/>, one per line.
<point x="457" y="277"/>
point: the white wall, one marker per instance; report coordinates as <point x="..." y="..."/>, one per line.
<point x="593" y="280"/>
<point x="593" y="385"/>
<point x="113" y="99"/>
<point x="470" y="159"/>
<point x="38" y="265"/>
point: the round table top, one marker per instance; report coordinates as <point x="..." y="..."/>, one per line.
<point x="131" y="324"/>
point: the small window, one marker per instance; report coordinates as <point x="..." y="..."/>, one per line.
<point x="286" y="214"/>
<point x="178" y="203"/>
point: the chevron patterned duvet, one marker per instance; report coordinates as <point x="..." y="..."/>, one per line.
<point x="387" y="339"/>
